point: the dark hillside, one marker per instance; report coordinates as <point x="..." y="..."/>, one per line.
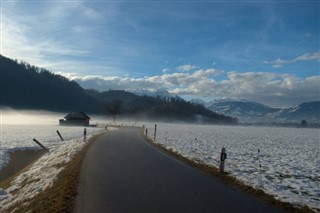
<point x="24" y="86"/>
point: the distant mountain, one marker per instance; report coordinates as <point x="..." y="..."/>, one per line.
<point x="309" y="111"/>
<point x="249" y="111"/>
<point x="198" y="101"/>
<point x="240" y="108"/>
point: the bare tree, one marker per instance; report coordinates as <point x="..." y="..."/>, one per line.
<point x="114" y="108"/>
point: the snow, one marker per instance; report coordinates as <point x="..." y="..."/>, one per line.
<point x="42" y="173"/>
<point x="294" y="109"/>
<point x="19" y="137"/>
<point x="289" y="157"/>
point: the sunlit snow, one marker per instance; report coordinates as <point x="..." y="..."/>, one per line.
<point x="289" y="157"/>
<point x="17" y="137"/>
<point x="44" y="171"/>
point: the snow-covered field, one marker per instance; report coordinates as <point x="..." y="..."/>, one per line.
<point x="41" y="175"/>
<point x="15" y="137"/>
<point x="289" y="157"/>
<point x="44" y="171"/>
<point x="17" y="129"/>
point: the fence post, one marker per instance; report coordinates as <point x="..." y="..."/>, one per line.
<point x="223" y="157"/>
<point x="147" y="132"/>
<point x="61" y="138"/>
<point x="155" y="132"/>
<point x="85" y="135"/>
<point x="37" y="142"/>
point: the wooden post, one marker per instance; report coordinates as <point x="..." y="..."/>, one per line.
<point x="147" y="132"/>
<point x="61" y="138"/>
<point x="155" y="132"/>
<point x="223" y="157"/>
<point x="37" y="142"/>
<point x="85" y="135"/>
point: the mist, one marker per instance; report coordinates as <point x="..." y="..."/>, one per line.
<point x="9" y="116"/>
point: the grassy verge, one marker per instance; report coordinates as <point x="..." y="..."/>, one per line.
<point x="61" y="196"/>
<point x="227" y="178"/>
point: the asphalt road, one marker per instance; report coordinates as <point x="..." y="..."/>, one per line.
<point x="123" y="173"/>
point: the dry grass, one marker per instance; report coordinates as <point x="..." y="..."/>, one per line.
<point x="226" y="178"/>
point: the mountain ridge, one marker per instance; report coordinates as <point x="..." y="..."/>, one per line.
<point x="251" y="111"/>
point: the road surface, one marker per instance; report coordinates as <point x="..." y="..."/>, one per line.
<point x="123" y="173"/>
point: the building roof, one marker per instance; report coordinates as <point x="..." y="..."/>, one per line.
<point x="77" y="115"/>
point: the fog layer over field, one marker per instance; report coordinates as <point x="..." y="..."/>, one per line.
<point x="19" y="127"/>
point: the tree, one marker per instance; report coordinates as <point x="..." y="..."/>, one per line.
<point x="304" y="123"/>
<point x="114" y="108"/>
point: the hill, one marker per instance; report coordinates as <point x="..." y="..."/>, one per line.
<point x="24" y="86"/>
<point x="249" y="111"/>
<point x="309" y="111"/>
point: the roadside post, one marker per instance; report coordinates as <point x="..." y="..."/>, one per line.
<point x="223" y="157"/>
<point x="61" y="138"/>
<point x="85" y="135"/>
<point x="40" y="144"/>
<point x="147" y="132"/>
<point x="155" y="132"/>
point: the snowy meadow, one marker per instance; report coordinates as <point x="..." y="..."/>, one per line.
<point x="19" y="137"/>
<point x="17" y="132"/>
<point x="283" y="162"/>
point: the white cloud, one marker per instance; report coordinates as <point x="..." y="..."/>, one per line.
<point x="36" y="38"/>
<point x="269" y="88"/>
<point x="278" y="63"/>
<point x="308" y="57"/>
<point x="186" y="67"/>
<point x="305" y="57"/>
<point x="164" y="70"/>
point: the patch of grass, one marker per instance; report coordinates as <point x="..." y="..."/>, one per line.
<point x="227" y="178"/>
<point x="61" y="196"/>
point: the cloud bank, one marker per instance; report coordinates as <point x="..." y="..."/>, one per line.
<point x="186" y="67"/>
<point x="274" y="89"/>
<point x="305" y="57"/>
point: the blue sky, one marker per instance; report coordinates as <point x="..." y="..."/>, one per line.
<point x="266" y="51"/>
